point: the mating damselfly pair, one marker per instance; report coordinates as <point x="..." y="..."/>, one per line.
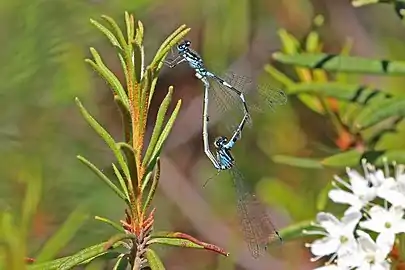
<point x="258" y="230"/>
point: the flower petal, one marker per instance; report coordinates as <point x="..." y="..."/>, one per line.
<point x="397" y="212"/>
<point x="375" y="225"/>
<point x="392" y="196"/>
<point x="385" y="242"/>
<point x="329" y="222"/>
<point x="344" y="197"/>
<point x="377" y="178"/>
<point x="350" y="259"/>
<point x="357" y="181"/>
<point x="377" y="212"/>
<point x="350" y="220"/>
<point x="366" y="243"/>
<point x="324" y="246"/>
<point x="399" y="226"/>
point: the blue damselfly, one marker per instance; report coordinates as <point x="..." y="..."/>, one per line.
<point x="224" y="91"/>
<point x="256" y="225"/>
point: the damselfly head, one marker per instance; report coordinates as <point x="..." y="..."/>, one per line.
<point x="220" y="142"/>
<point x="184" y="45"/>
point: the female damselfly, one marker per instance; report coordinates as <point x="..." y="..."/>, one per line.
<point x="257" y="227"/>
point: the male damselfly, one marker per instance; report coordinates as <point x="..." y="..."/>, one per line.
<point x="223" y="90"/>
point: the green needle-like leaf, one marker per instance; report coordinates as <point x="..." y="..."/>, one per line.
<point x="346" y="92"/>
<point x="138" y="62"/>
<point x="64" y="234"/>
<point x="349" y="158"/>
<point x="121" y="180"/>
<point x="130" y="24"/>
<point x="165" y="133"/>
<point x="139" y="52"/>
<point x="390" y="155"/>
<point x="32" y="177"/>
<point x="126" y="119"/>
<point x="332" y="62"/>
<point x="139" y="33"/>
<point x="152" y="89"/>
<point x="183" y="240"/>
<point x="106" y="136"/>
<point x="146" y="181"/>
<point x="279" y="76"/>
<point x="54" y="264"/>
<point x="107" y="33"/>
<point x="145" y="91"/>
<point x="110" y="78"/>
<point x="156" y="176"/>
<point x="294" y="231"/>
<point x="158" y="125"/>
<point x="130" y="155"/>
<point x="87" y="254"/>
<point x="117" y="31"/>
<point x="298" y="162"/>
<point x="11" y="238"/>
<point x="111" y="223"/>
<point x="153" y="260"/>
<point x="379" y="111"/>
<point x="322" y="198"/>
<point x="175" y="242"/>
<point x="118" y="238"/>
<point x="290" y="44"/>
<point x="103" y="177"/>
<point x="173" y="39"/>
<point x="122" y="262"/>
<point x="312" y="41"/>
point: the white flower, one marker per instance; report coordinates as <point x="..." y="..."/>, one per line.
<point x="386" y="222"/>
<point x="393" y="190"/>
<point x="339" y="235"/>
<point x="372" y="255"/>
<point x="362" y="189"/>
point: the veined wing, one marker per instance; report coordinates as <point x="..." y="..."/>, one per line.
<point x="259" y="97"/>
<point x="226" y="103"/>
<point x="257" y="228"/>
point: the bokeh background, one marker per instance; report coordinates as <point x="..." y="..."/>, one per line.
<point x="43" y="45"/>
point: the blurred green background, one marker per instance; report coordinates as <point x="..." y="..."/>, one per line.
<point x="43" y="45"/>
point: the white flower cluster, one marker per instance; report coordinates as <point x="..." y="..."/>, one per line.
<point x="376" y="204"/>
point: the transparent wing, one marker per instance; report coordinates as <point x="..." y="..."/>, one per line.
<point x="259" y="97"/>
<point x="257" y="228"/>
<point x="225" y="103"/>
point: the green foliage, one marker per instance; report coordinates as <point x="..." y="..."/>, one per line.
<point x="153" y="259"/>
<point x="295" y="231"/>
<point x="331" y="62"/>
<point x="360" y="114"/>
<point x="345" y="159"/>
<point x="14" y="235"/>
<point x="356" y="111"/>
<point x="82" y="257"/>
<point x="298" y="162"/>
<point x="137" y="175"/>
<point x="182" y="240"/>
